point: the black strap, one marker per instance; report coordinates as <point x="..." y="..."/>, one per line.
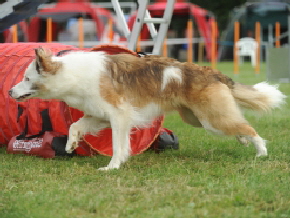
<point x="62" y="52"/>
<point x="141" y="54"/>
<point x="46" y="126"/>
<point x="20" y="112"/>
<point x="46" y="122"/>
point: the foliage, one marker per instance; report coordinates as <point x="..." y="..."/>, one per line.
<point x="220" y="8"/>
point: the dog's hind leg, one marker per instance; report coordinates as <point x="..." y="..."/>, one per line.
<point x="218" y="112"/>
<point x="121" y="129"/>
<point x="243" y="140"/>
<point x="86" y="124"/>
<point x="188" y="117"/>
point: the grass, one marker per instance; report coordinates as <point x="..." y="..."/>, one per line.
<point x="209" y="176"/>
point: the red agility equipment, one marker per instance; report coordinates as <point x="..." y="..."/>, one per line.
<point x="14" y="59"/>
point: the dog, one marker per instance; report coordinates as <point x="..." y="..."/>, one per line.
<point x="123" y="91"/>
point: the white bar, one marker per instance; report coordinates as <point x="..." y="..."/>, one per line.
<point x="121" y="17"/>
<point x="171" y="41"/>
<point x="6" y="8"/>
<point x="162" y="32"/>
<point x="131" y="5"/>
<point x="138" y="24"/>
<point x="155" y="20"/>
<point x="151" y="26"/>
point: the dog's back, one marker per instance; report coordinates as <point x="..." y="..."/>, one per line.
<point x="159" y="79"/>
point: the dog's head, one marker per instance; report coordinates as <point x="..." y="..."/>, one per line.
<point x="36" y="76"/>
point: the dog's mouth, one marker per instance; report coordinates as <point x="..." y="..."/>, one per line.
<point x="23" y="97"/>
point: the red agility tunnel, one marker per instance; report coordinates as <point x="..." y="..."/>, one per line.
<point x="14" y="59"/>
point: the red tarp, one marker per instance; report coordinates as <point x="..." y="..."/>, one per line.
<point x="60" y="9"/>
<point x="14" y="59"/>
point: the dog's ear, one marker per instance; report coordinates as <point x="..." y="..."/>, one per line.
<point x="44" y="63"/>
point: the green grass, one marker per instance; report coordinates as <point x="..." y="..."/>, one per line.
<point x="209" y="176"/>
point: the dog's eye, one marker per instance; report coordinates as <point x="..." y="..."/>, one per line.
<point x="26" y="79"/>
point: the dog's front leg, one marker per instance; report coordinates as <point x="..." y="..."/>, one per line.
<point x="121" y="129"/>
<point x="86" y="124"/>
<point x="74" y="137"/>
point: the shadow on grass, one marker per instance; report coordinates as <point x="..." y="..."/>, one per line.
<point x="214" y="154"/>
<point x="149" y="158"/>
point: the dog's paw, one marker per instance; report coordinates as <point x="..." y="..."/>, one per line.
<point x="262" y="153"/>
<point x="70" y="147"/>
<point x="105" y="168"/>
<point x="110" y="167"/>
<point x="68" y="150"/>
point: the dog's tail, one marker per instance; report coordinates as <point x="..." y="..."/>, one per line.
<point x="261" y="97"/>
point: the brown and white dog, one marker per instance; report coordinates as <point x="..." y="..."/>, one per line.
<point x="123" y="91"/>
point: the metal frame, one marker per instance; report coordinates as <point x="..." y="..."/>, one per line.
<point x="143" y="16"/>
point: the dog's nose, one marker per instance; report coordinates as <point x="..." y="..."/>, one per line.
<point x="10" y="92"/>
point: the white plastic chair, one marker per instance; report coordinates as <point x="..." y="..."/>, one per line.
<point x="247" y="47"/>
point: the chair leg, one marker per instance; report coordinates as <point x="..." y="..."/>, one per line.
<point x="241" y="59"/>
<point x="253" y="59"/>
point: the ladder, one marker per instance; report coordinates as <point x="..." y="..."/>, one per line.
<point x="14" y="11"/>
<point x="143" y="16"/>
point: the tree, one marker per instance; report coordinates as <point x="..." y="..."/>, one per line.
<point x="220" y="8"/>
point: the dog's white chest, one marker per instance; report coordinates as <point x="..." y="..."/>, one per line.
<point x="88" y="106"/>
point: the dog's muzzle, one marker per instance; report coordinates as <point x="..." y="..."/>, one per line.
<point x="10" y="92"/>
<point x="20" y="98"/>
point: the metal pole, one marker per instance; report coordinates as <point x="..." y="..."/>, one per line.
<point x="189" y="44"/>
<point x="277" y="34"/>
<point x="14" y="34"/>
<point x="163" y="28"/>
<point x="49" y="30"/>
<point x="236" y="39"/>
<point x="138" y="24"/>
<point x="81" y="32"/>
<point x="258" y="39"/>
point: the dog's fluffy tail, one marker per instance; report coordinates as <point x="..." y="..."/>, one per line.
<point x="261" y="97"/>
